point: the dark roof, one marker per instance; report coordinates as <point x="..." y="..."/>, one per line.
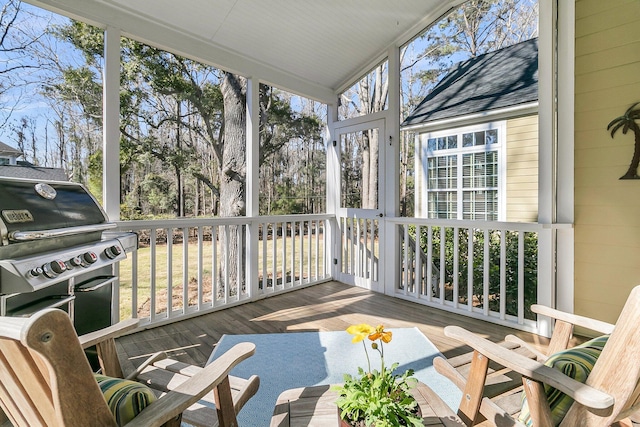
<point x="7" y="149"/>
<point x="495" y="80"/>
<point x="33" y="172"/>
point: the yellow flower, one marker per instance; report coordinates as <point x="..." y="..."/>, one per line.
<point x="362" y="397"/>
<point x="360" y="331"/>
<point x="380" y="333"/>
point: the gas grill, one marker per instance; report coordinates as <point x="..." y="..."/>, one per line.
<point x="58" y="249"/>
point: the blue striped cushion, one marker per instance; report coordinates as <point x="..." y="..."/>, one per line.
<point x="126" y="399"/>
<point x="577" y="363"/>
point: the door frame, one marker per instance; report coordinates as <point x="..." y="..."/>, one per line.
<point x="375" y="279"/>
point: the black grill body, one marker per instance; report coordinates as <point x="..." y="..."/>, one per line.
<point x="58" y="249"/>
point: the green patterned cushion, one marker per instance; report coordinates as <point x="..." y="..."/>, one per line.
<point x="577" y="363"/>
<point x="126" y="399"/>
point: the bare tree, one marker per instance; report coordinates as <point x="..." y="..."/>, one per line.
<point x="480" y="26"/>
<point x="19" y="43"/>
<point x="368" y="96"/>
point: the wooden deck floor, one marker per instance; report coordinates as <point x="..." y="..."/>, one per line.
<point x="329" y="306"/>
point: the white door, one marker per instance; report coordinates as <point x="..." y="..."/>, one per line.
<point x="361" y="203"/>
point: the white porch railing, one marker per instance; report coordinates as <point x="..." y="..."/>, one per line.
<point x="187" y="267"/>
<point x="491" y="271"/>
<point x="359" y="252"/>
<point x="486" y="270"/>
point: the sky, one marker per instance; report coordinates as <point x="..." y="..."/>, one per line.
<point x="24" y="99"/>
<point x="28" y="102"/>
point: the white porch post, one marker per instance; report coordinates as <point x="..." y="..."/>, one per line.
<point x="548" y="160"/>
<point x="390" y="180"/>
<point x="252" y="183"/>
<point x="565" y="213"/>
<point x="111" y="124"/>
<point x="332" y="238"/>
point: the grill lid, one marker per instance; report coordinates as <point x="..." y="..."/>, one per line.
<point x="33" y="210"/>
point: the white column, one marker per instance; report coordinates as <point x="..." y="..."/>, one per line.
<point x="111" y="124"/>
<point x="546" y="112"/>
<point x="333" y="191"/>
<point x="252" y="182"/>
<point x="565" y="214"/>
<point x="390" y="179"/>
<point x="556" y="154"/>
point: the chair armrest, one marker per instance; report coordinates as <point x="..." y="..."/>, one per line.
<point x="189" y="392"/>
<point x="540" y="357"/>
<point x="574" y="319"/>
<point x="161" y="355"/>
<point x="581" y="393"/>
<point x="114" y="331"/>
<point x="104" y="340"/>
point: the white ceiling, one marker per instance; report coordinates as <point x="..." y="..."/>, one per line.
<point x="311" y="47"/>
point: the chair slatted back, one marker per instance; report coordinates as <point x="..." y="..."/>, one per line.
<point x="617" y="371"/>
<point x="45" y="378"/>
<point x="26" y="393"/>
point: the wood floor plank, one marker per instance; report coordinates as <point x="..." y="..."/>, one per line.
<point x="330" y="306"/>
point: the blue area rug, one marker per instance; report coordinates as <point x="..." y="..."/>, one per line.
<point x="300" y="359"/>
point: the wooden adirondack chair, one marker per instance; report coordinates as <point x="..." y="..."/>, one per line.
<point x="610" y="395"/>
<point x="46" y="380"/>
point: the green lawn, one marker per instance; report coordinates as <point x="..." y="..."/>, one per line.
<point x="177" y="272"/>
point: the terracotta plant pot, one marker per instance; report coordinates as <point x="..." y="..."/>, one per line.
<point x="360" y="423"/>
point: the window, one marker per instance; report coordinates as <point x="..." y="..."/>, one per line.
<point x="5" y="161"/>
<point x="461" y="171"/>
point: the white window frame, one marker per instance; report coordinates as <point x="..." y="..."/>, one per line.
<point x="423" y="154"/>
<point x="7" y="158"/>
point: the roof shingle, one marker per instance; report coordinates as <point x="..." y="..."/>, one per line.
<point x="7" y="149"/>
<point x="495" y="80"/>
<point x="33" y="172"/>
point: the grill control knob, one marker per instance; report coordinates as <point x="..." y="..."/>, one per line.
<point x="54" y="268"/>
<point x="76" y="261"/>
<point x="35" y="272"/>
<point x="89" y="257"/>
<point x="113" y="251"/>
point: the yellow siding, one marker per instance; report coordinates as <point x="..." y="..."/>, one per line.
<point x="522" y="169"/>
<point x="607" y="210"/>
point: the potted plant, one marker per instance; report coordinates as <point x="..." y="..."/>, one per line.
<point x="377" y="398"/>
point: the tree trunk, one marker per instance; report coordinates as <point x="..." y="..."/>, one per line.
<point x="371" y="101"/>
<point x="232" y="180"/>
<point x="179" y="204"/>
<point x="180" y="183"/>
<point x="366" y="171"/>
<point x="374" y="154"/>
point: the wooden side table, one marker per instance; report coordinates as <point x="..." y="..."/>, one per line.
<point x="315" y="407"/>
